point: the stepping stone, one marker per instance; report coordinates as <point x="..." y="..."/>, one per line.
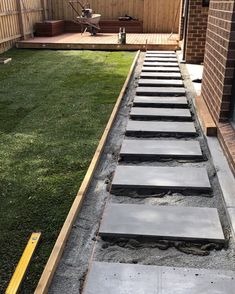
<point x="160" y="149"/>
<point x="158" y="82"/>
<point x="160" y="75"/>
<point x="160" y="52"/>
<point x="162" y="222"/>
<point x="122" y="278"/>
<point x="161" y="178"/>
<point x="153" y="128"/>
<point x="155" y="91"/>
<point x="160" y="113"/>
<point x="158" y="101"/>
<point x="160" y="69"/>
<point x="169" y="64"/>
<point x="160" y="59"/>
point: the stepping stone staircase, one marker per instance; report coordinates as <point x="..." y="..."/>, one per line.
<point x="160" y="108"/>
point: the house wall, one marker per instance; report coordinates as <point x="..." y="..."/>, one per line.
<point x="219" y="70"/>
<point x="196" y="33"/>
<point x="181" y="24"/>
<point x="219" y="62"/>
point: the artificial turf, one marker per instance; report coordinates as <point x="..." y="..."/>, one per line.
<point x="54" y="106"/>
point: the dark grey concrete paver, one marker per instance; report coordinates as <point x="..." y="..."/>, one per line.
<point x="165" y="91"/>
<point x="168" y="64"/>
<point x="160" y="75"/>
<point x="120" y="278"/>
<point x="160" y="69"/>
<point x="161" y="82"/>
<point x="156" y="113"/>
<point x="162" y="222"/>
<point x="147" y="128"/>
<point x="160" y="59"/>
<point x="155" y="101"/>
<point x="165" y="178"/>
<point x="161" y="148"/>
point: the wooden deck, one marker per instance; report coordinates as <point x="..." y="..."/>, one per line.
<point x="103" y="42"/>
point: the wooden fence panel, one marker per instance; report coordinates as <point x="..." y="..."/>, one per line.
<point x="161" y="16"/>
<point x="17" y="19"/>
<point x="158" y="16"/>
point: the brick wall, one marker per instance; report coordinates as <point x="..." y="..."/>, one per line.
<point x="196" y="34"/>
<point x="219" y="62"/>
<point x="219" y="70"/>
<point x="181" y="28"/>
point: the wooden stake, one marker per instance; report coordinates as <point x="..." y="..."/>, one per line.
<point x="21" y="19"/>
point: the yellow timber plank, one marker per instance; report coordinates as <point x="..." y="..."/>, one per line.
<point x="208" y="125"/>
<point x="23" y="264"/>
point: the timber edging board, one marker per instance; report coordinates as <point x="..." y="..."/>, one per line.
<point x="50" y="268"/>
<point x="208" y="125"/>
<point x="114" y="47"/>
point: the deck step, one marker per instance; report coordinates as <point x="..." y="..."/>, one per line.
<point x="160" y="59"/>
<point x="116" y="278"/>
<point x="160" y="101"/>
<point x="158" y="91"/>
<point x="200" y="224"/>
<point x="158" y="83"/>
<point x="151" y="149"/>
<point x="153" y="128"/>
<point x="160" y="52"/>
<point x="160" y="75"/>
<point x="162" y="55"/>
<point x="160" y="113"/>
<point x="160" y="69"/>
<point x="160" y="178"/>
<point x="168" y="64"/>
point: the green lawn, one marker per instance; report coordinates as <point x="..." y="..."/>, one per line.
<point x="54" y="106"/>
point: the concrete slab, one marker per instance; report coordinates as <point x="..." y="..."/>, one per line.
<point x="231" y="213"/>
<point x="224" y="173"/>
<point x="153" y="128"/>
<point x="225" y="177"/>
<point x="157" y="101"/>
<point x="160" y="149"/>
<point x="160" y="59"/>
<point x="160" y="113"/>
<point x="168" y="64"/>
<point x="160" y="75"/>
<point x="163" y="178"/>
<point x="162" y="222"/>
<point x="158" y="91"/>
<point x="120" y="278"/>
<point x="160" y="69"/>
<point x="161" y="82"/>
